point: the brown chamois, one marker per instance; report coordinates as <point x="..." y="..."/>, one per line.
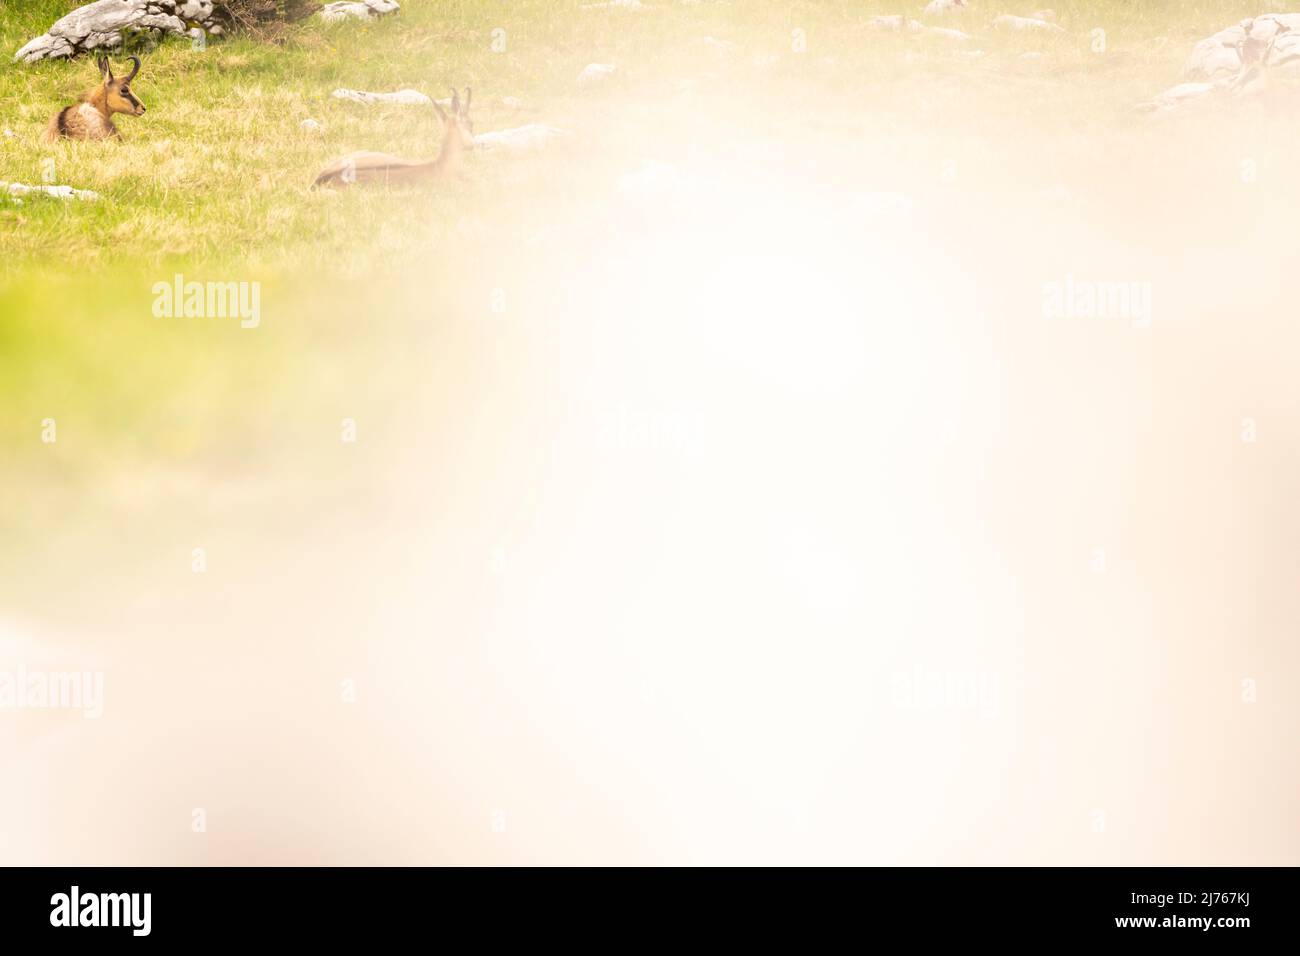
<point x="365" y="167"/>
<point x="92" y="116"/>
<point x="1256" y="63"/>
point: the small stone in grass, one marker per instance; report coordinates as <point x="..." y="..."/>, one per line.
<point x="406" y="97"/>
<point x="16" y="190"/>
<point x="1025" y="24"/>
<point x="356" y="10"/>
<point x="534" y="136"/>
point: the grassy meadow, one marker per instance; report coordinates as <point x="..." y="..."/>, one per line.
<point x="214" y="182"/>
<point x="684" y="262"/>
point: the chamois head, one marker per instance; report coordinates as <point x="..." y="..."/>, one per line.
<point x="116" y="92"/>
<point x="1253" y="50"/>
<point x="458" y="123"/>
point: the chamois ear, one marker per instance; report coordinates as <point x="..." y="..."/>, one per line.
<point x="105" y="70"/>
<point x="135" y="68"/>
<point x="455" y="101"/>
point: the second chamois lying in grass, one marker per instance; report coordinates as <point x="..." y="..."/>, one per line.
<point x="92" y="117"/>
<point x="365" y="167"/>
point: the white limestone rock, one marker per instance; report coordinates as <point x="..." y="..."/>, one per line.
<point x="895" y="23"/>
<point x="1025" y="24"/>
<point x="102" y="24"/>
<point x="1235" y="62"/>
<point x="533" y="136"/>
<point x="406" y="97"/>
<point x="18" y="190"/>
<point x="1221" y="55"/>
<point x="356" y="10"/>
<point x="947" y="33"/>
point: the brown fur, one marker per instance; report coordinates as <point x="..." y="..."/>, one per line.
<point x="368" y="167"/>
<point x="91" y="118"/>
<point x="1256" y="64"/>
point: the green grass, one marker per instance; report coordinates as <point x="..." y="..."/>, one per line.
<point x="633" y="556"/>
<point x="218" y="170"/>
<point x="214" y="182"/>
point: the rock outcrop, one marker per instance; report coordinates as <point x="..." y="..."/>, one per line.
<point x="103" y="24"/>
<point x="1221" y="55"/>
<point x="357" y="10"/>
<point x="1243" y="61"/>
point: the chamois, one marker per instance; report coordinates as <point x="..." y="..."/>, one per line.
<point x="92" y="116"/>
<point x="1256" y="61"/>
<point x="457" y="136"/>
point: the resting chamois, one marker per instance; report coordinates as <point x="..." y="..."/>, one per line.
<point x="92" y="117"/>
<point x="457" y="136"/>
